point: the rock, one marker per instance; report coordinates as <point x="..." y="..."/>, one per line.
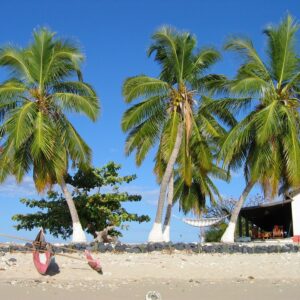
<point x="250" y="250"/>
<point x="79" y="246"/>
<point x="120" y="247"/>
<point x="153" y="295"/>
<point x="134" y="249"/>
<point x="195" y="249"/>
<point x="38" y="281"/>
<point x="192" y="246"/>
<point x="109" y="248"/>
<point x="272" y="249"/>
<point x="143" y="248"/>
<point x="208" y="249"/>
<point x="244" y="249"/>
<point x="259" y="249"/>
<point x="150" y="247"/>
<point x="219" y="248"/>
<point x="179" y="246"/>
<point x="102" y="247"/>
<point x="284" y="249"/>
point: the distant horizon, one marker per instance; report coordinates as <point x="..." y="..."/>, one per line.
<point x="114" y="36"/>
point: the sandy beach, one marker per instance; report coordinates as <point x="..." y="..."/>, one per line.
<point x="174" y="276"/>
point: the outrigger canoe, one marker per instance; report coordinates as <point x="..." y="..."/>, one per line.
<point x="42" y="253"/>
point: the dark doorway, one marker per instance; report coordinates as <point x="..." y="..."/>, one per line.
<point x="267" y="216"/>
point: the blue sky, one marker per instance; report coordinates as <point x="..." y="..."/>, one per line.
<point x="114" y="35"/>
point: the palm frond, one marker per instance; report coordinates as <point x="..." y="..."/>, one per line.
<point x="144" y="86"/>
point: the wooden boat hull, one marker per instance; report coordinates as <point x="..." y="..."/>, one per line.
<point x="93" y="263"/>
<point x="42" y="253"/>
<point x="42" y="261"/>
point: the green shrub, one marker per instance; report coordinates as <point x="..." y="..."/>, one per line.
<point x="215" y="233"/>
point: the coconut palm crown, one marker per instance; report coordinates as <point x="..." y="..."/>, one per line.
<point x="266" y="140"/>
<point x="42" y="87"/>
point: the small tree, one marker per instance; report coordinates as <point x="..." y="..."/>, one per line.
<point x="97" y="210"/>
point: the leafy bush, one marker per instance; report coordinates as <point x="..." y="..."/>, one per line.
<point x="215" y="233"/>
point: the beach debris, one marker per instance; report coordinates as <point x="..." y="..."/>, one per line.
<point x="153" y="295"/>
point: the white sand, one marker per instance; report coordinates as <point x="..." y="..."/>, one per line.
<point x="175" y="276"/>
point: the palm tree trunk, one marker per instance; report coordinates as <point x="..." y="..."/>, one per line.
<point x="78" y="233"/>
<point x="228" y="236"/>
<point x="166" y="229"/>
<point x="156" y="234"/>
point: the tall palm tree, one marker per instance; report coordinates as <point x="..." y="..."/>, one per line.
<point x="35" y="131"/>
<point x="266" y="140"/>
<point x="165" y="112"/>
<point x="192" y="196"/>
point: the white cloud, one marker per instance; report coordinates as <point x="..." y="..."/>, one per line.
<point x="149" y="195"/>
<point x="10" y="188"/>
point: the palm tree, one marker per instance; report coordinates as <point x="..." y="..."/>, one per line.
<point x="35" y="131"/>
<point x="165" y="112"/>
<point x="192" y="196"/>
<point x="266" y="140"/>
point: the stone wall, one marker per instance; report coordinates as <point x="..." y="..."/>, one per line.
<point x="249" y="248"/>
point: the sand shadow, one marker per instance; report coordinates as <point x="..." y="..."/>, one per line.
<point x="53" y="268"/>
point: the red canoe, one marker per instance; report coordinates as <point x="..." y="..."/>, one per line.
<point x="93" y="263"/>
<point x="42" y="253"/>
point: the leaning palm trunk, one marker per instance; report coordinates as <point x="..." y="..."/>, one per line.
<point x="156" y="234"/>
<point x="228" y="236"/>
<point x="166" y="229"/>
<point x="78" y="233"/>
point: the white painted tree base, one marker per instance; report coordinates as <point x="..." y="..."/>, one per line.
<point x="156" y="235"/>
<point x="228" y="235"/>
<point x="78" y="234"/>
<point x="166" y="234"/>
